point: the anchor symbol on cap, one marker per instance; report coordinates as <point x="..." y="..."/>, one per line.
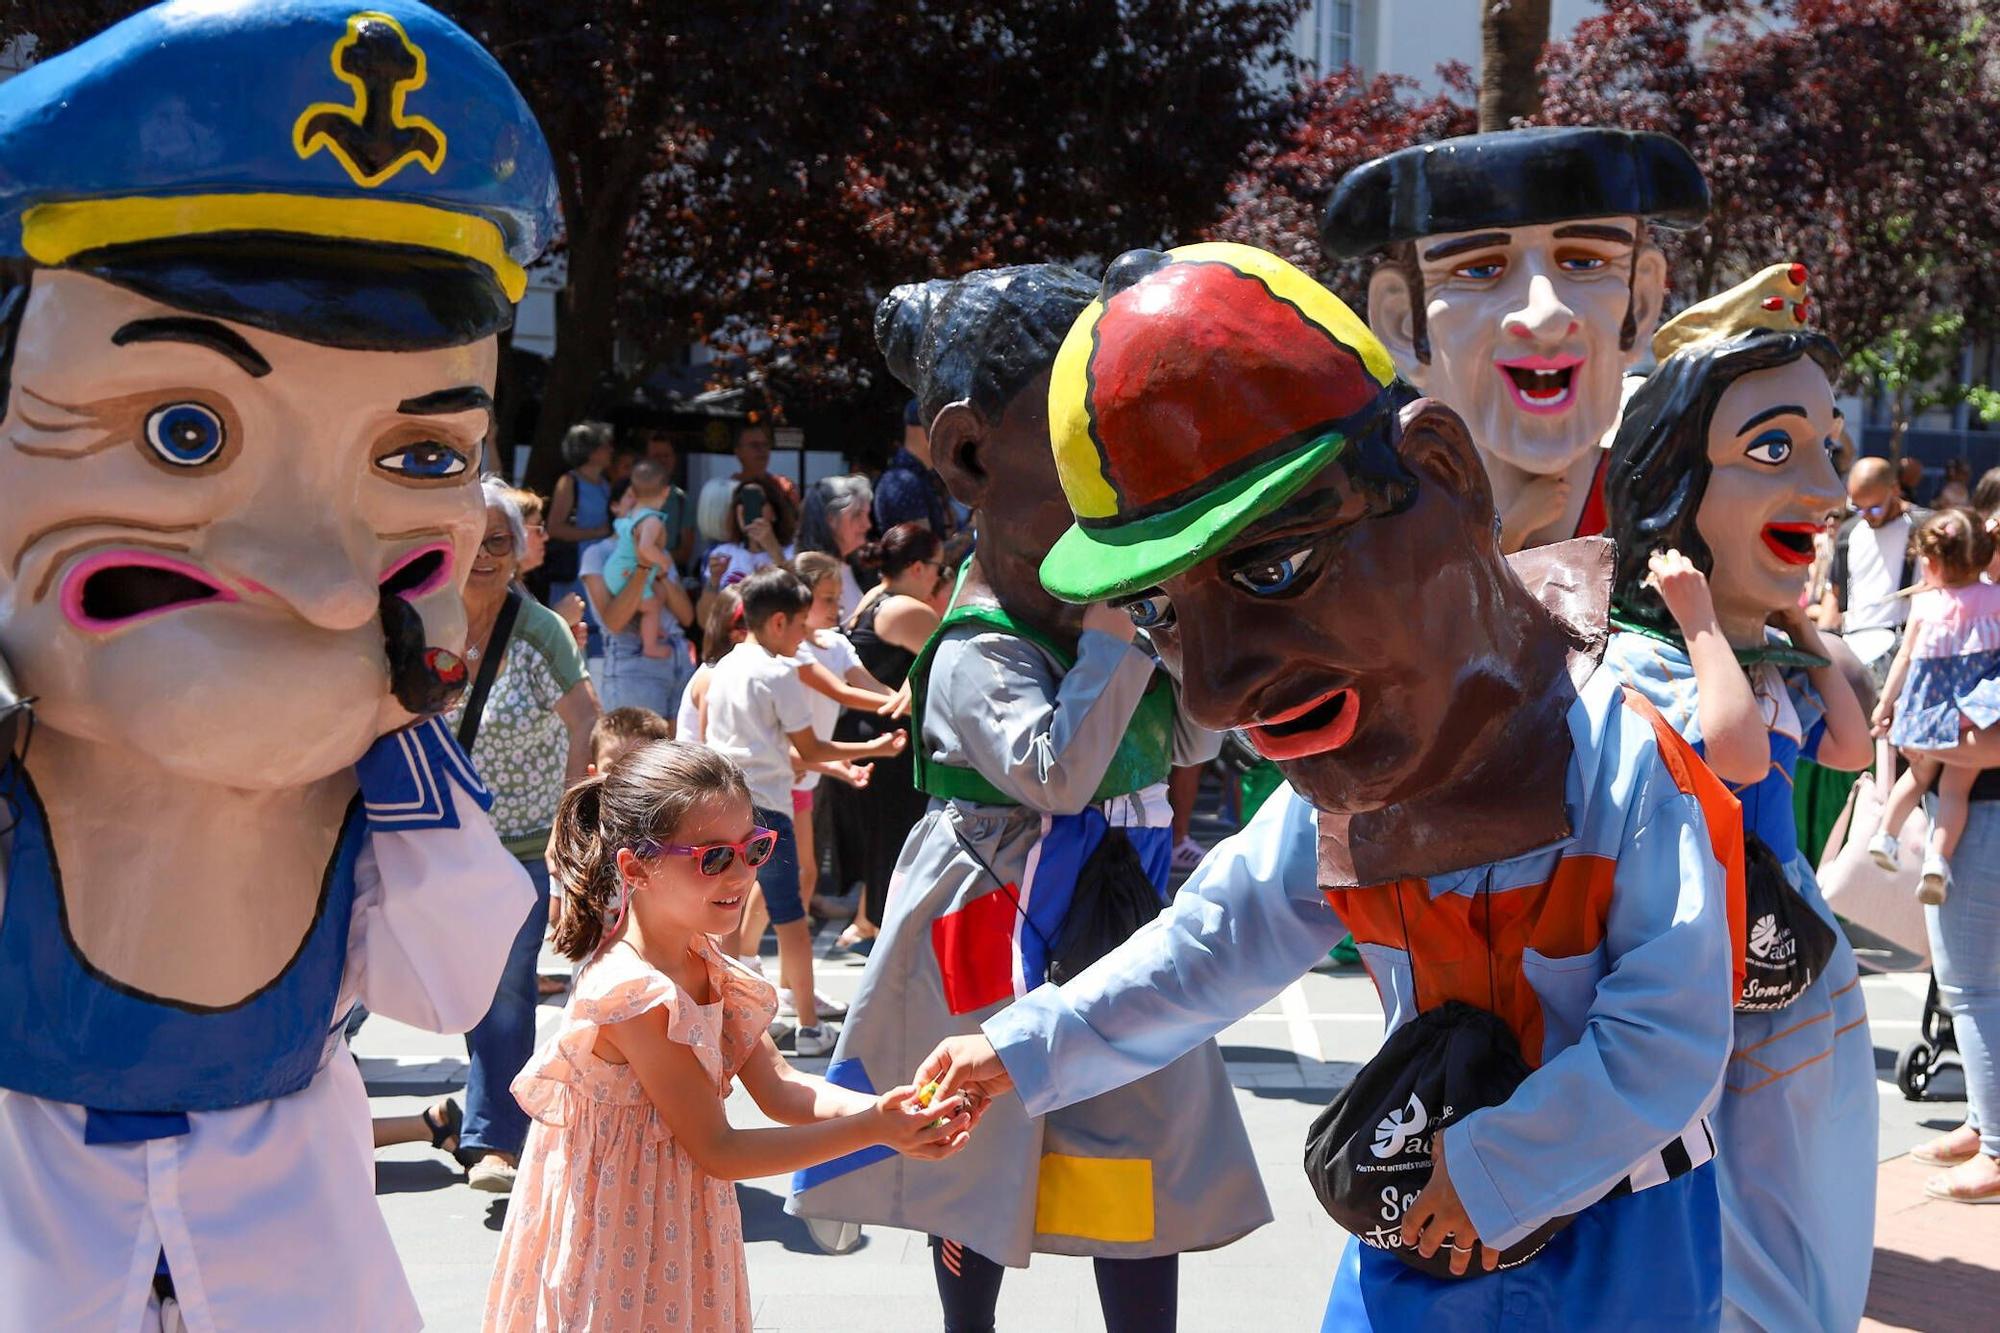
<point x="373" y="138"/>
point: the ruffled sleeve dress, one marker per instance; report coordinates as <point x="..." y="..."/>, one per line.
<point x="612" y="1225"/>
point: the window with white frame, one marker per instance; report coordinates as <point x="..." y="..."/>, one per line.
<point x="1333" y="34"/>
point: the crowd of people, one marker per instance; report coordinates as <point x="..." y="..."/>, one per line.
<point x="790" y="653"/>
<point x="1541" y="684"/>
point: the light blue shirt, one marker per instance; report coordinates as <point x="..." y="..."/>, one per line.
<point x="1637" y="1033"/>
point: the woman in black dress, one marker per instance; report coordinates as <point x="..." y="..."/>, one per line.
<point x="890" y="627"/>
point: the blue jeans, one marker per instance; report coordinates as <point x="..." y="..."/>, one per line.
<point x="779" y="876"/>
<point x="634" y="680"/>
<point x="1965" y="957"/>
<point x="503" y="1040"/>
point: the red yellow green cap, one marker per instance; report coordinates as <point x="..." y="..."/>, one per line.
<point x="1204" y="388"/>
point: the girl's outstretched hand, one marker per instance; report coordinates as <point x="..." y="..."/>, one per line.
<point x="917" y="1126"/>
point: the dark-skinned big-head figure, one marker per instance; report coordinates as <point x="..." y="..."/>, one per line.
<point x="1723" y="461"/>
<point x="1045" y="730"/>
<point x="254" y="262"/>
<point x="1526" y="857"/>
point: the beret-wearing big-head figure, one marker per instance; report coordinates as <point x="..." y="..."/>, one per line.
<point x="976" y="351"/>
<point x="1517" y="285"/>
<point x="1725" y="454"/>
<point x="254" y="257"/>
<point x="1312" y="550"/>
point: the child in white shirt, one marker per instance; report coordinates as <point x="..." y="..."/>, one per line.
<point x="758" y="714"/>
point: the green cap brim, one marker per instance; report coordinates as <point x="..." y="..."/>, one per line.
<point x="1091" y="564"/>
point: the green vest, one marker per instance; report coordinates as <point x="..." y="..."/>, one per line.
<point x="1144" y="757"/>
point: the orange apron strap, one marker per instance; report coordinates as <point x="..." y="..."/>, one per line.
<point x="1722" y="811"/>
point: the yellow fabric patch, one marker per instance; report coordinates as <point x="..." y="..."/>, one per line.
<point x="1078" y="464"/>
<point x="52" y="234"/>
<point x="1321" y="306"/>
<point x="1095" y="1198"/>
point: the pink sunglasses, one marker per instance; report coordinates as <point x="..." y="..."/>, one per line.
<point x="714" y="858"/>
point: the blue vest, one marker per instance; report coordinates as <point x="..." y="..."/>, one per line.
<point x="71" y="1034"/>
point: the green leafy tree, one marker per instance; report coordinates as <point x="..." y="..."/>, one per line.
<point x="1915" y="368"/>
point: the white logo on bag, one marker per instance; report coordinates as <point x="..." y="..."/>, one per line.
<point x="1399" y="1127"/>
<point x="1769" y="942"/>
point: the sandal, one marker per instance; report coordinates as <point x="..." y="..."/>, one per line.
<point x="1929" y="1154"/>
<point x="453" y="1121"/>
<point x="1943" y="1186"/>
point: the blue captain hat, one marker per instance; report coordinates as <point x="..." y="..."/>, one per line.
<point x="354" y="174"/>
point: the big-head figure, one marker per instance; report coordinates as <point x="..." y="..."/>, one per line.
<point x="1517" y="284"/>
<point x="254" y="259"/>
<point x="1724" y="455"/>
<point x="1313" y="549"/>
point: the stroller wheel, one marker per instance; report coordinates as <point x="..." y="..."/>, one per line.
<point x="834" y="1237"/>
<point x="1913" y="1069"/>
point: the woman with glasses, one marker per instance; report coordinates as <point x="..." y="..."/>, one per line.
<point x="525" y="720"/>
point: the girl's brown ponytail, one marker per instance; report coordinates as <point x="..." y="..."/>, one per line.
<point x="643" y="796"/>
<point x="584" y="870"/>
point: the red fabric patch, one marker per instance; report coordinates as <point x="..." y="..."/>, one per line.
<point x="1235" y="370"/>
<point x="1596" y="518"/>
<point x="975" y="951"/>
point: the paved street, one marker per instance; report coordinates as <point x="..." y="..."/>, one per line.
<point x="1285" y="1061"/>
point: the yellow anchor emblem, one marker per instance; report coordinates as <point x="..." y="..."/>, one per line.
<point x="373" y="138"/>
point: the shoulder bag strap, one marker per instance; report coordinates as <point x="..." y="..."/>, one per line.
<point x="489" y="667"/>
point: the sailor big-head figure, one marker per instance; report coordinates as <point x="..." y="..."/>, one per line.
<point x="256" y="259"/>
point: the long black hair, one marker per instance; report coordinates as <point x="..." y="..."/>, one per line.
<point x="1659" y="467"/>
<point x="983" y="337"/>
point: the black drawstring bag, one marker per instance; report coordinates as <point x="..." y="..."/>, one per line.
<point x="1114" y="897"/>
<point x="1368" y="1155"/>
<point x="1788" y="944"/>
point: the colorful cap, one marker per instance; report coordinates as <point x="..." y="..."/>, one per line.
<point x="197" y="146"/>
<point x="1774" y="299"/>
<point x="1201" y="390"/>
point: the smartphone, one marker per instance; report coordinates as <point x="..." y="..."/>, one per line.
<point x="752" y="501"/>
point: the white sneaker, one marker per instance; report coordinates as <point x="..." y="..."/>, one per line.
<point x="1884" y="848"/>
<point x="1936" y="882"/>
<point x="809" y="1042"/>
<point x="828" y="1008"/>
<point x="1187" y="856"/>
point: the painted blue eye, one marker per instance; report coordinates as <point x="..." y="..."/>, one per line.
<point x="1482" y="272"/>
<point x="1771" y="448"/>
<point x="426" y="460"/>
<point x="1580" y="264"/>
<point x="1273" y="577"/>
<point x="185" y="434"/>
<point x="1154" y="612"/>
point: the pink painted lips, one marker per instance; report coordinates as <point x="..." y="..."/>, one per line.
<point x="111" y="589"/>
<point x="1315" y="727"/>
<point x="1791" y="542"/>
<point x="1544" y="385"/>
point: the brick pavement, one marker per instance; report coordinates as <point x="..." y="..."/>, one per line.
<point x="1937" y="1264"/>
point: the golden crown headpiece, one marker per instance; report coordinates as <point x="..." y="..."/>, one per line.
<point x="1774" y="299"/>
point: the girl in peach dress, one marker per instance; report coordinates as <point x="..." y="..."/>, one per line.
<point x="624" y="1216"/>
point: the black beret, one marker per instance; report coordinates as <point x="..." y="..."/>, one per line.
<point x="1513" y="178"/>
